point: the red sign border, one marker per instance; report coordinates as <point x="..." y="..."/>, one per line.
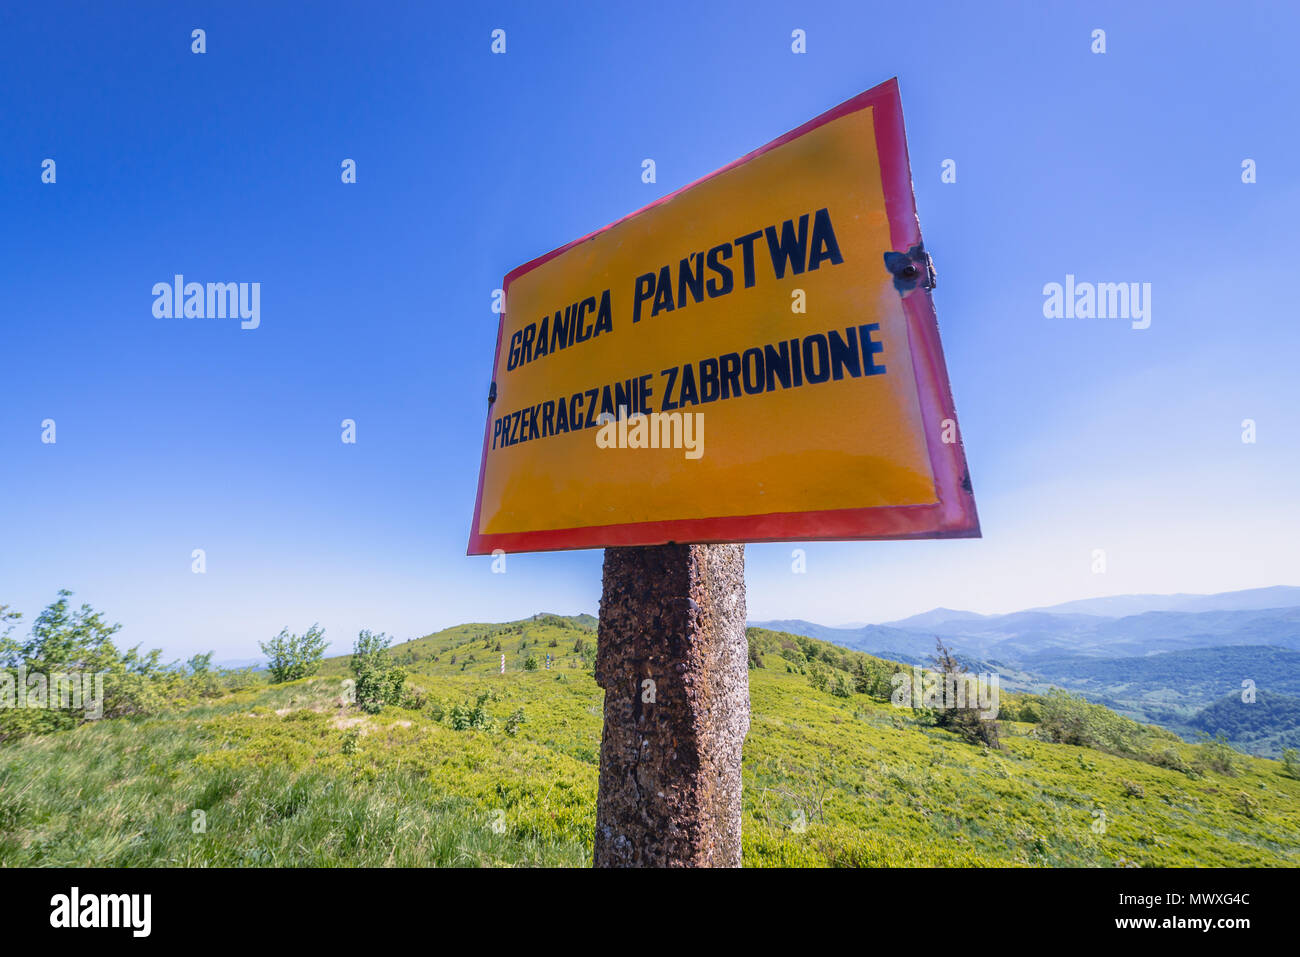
<point x="954" y="516"/>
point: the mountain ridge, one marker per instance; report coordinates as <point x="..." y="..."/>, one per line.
<point x="1159" y="666"/>
<point x="1124" y="605"/>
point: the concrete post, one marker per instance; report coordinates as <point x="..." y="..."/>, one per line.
<point x="672" y="657"/>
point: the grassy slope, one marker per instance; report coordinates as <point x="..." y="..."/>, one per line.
<point x="270" y="770"/>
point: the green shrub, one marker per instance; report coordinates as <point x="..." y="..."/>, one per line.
<point x="290" y="657"/>
<point x="413" y="699"/>
<point x="379" y="680"/>
<point x="514" y="721"/>
<point x="818" y="676"/>
<point x="464" y="716"/>
<point x="1171" y="759"/>
<point x="1215" y="754"/>
<point x="73" y="654"/>
<point x="1069" y="719"/>
<point x="1291" y="763"/>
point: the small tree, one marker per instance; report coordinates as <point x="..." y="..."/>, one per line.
<point x="818" y="676"/>
<point x="864" y="682"/>
<point x="290" y="657"/>
<point x="1291" y="762"/>
<point x="64" y="643"/>
<point x="1215" y="754"/>
<point x="79" y="642"/>
<point x="379" y="679"/>
<point x="203" y="680"/>
<point x="966" y="721"/>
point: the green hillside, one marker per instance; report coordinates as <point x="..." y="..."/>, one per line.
<point x="1192" y="691"/>
<point x="488" y="769"/>
<point x="1269" y="725"/>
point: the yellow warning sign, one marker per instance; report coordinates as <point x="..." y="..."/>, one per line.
<point x="735" y="362"/>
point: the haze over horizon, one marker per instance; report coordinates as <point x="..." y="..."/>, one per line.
<point x="248" y="651"/>
<point x="1169" y="601"/>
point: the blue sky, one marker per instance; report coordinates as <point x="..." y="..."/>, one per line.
<point x="225" y="166"/>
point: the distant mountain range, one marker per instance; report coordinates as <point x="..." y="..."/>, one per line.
<point x="1116" y="626"/>
<point x="1160" y="658"/>
<point x="1120" y="606"/>
<point x="234" y="664"/>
